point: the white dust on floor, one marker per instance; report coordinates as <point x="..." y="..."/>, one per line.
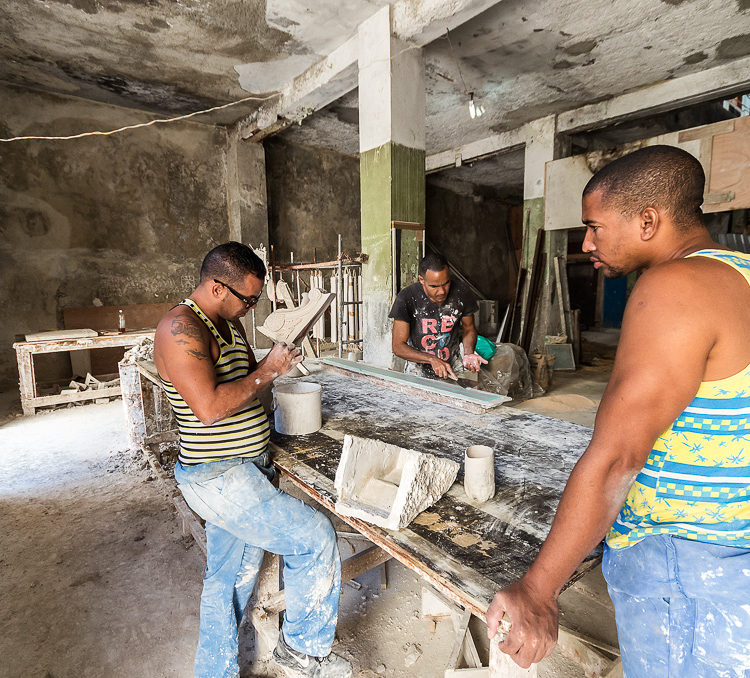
<point x="98" y="581"/>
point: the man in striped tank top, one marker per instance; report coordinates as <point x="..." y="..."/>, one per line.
<point x="667" y="473"/>
<point x="224" y="471"/>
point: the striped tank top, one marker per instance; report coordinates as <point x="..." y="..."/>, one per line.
<point x="244" y="434"/>
<point x="696" y="481"/>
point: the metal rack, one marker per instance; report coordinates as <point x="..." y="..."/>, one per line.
<point x="339" y="265"/>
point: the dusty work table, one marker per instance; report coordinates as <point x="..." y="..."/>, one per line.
<point x="465" y="551"/>
<point x="26" y="350"/>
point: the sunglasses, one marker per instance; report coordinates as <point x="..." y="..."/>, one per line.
<point x="248" y="301"/>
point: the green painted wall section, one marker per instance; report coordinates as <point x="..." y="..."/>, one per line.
<point x="392" y="188"/>
<point x="408" y="204"/>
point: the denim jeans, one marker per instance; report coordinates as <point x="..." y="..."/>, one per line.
<point x="246" y="515"/>
<point x="682" y="608"/>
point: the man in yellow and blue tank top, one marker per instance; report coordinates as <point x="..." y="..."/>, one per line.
<point x="666" y="476"/>
<point x="224" y="471"/>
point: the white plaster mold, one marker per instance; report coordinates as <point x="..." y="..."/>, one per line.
<point x="387" y="485"/>
<point x="289" y="325"/>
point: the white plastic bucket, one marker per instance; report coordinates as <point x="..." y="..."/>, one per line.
<point x="297" y="408"/>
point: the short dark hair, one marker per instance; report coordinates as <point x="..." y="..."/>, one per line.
<point x="654" y="176"/>
<point x="231" y="262"/>
<point x="432" y="262"/>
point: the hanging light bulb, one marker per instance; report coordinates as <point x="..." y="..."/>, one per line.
<point x="475" y="110"/>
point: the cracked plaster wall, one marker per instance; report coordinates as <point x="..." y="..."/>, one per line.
<point x="313" y="195"/>
<point x="125" y="218"/>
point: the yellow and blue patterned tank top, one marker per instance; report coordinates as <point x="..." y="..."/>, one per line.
<point x="244" y="434"/>
<point x="696" y="481"/>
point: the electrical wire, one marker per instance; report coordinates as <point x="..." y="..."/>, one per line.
<point x="142" y="124"/>
<point x="175" y="119"/>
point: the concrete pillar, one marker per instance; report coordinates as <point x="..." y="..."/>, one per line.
<point x="247" y="207"/>
<point x="543" y="143"/>
<point x="392" y="180"/>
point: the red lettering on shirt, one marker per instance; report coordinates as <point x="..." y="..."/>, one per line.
<point x="429" y="342"/>
<point x="429" y="325"/>
<point x="446" y="323"/>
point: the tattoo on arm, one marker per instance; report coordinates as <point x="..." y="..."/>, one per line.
<point x="197" y="354"/>
<point x="186" y="328"/>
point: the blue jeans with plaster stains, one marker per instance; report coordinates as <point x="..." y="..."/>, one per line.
<point x="246" y="515"/>
<point x="682" y="608"/>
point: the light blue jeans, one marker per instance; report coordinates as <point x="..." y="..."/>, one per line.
<point x="246" y="515"/>
<point x="682" y="608"/>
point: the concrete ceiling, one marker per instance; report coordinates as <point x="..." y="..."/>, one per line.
<point x="522" y="59"/>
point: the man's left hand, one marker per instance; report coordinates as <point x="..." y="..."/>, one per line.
<point x="474" y="361"/>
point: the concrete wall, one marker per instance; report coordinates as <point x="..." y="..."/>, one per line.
<point x="313" y="194"/>
<point x="124" y="218"/>
<point x="470" y="230"/>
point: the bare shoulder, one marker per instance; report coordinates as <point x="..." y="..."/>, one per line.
<point x="180" y="324"/>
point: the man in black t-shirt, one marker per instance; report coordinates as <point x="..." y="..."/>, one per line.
<point x="431" y="319"/>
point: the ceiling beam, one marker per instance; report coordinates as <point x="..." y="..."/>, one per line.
<point x="335" y="75"/>
<point x="714" y="83"/>
<point x="476" y="150"/>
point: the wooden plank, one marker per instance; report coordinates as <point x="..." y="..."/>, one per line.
<point x="352" y="567"/>
<point x="102" y="341"/>
<point x="615" y="670"/>
<point x="730" y="169"/>
<point x="26" y="379"/>
<point x="593" y="663"/>
<point x="51" y="335"/>
<point x="448" y="394"/>
<point x="483" y="672"/>
<point x="109" y="392"/>
<point x="462" y="627"/>
<point x="704" y="131"/>
<point x="408" y="225"/>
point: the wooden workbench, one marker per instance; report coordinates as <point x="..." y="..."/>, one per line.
<point x="465" y="551"/>
<point x="26" y="350"/>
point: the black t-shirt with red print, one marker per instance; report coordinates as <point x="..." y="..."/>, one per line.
<point x="434" y="329"/>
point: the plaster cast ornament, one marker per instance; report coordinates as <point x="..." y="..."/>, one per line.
<point x="290" y="325"/>
<point x="387" y="485"/>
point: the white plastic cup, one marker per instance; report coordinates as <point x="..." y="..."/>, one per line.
<point x="479" y="473"/>
<point x="297" y="408"/>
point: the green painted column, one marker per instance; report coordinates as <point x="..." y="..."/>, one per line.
<point x="392" y="178"/>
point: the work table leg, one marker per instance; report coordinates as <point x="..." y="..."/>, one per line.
<point x="26" y="380"/>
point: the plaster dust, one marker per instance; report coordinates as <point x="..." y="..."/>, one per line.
<point x="98" y="581"/>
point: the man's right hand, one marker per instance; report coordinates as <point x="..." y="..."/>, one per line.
<point x="534" y="620"/>
<point x="281" y="359"/>
<point x="442" y="369"/>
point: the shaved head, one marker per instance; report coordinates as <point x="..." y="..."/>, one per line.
<point x="662" y="177"/>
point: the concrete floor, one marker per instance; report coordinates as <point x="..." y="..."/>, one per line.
<point x="99" y="581"/>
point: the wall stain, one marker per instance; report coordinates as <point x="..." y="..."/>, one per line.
<point x="695" y="58"/>
<point x="732" y="48"/>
